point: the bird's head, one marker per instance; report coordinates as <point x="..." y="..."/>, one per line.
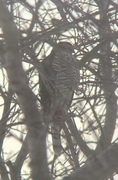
<point x="66" y="46"/>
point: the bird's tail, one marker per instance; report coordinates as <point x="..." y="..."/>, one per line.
<point x="56" y="139"/>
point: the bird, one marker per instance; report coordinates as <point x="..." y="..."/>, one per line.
<point x="62" y="78"/>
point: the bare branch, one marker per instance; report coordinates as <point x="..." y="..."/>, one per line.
<point x="100" y="167"/>
<point x="19" y="84"/>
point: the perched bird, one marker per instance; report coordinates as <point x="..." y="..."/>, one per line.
<point x="62" y="76"/>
